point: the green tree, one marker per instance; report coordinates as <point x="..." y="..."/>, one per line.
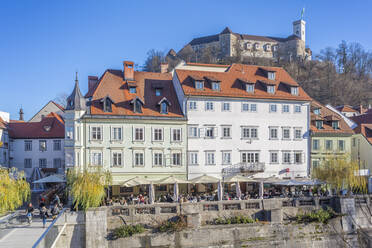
<point x="88" y="187"/>
<point x="14" y="190"/>
<point x="340" y="173"/>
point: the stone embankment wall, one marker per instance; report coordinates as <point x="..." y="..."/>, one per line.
<point x="92" y="228"/>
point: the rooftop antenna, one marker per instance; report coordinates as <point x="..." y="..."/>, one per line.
<point x="302" y="13"/>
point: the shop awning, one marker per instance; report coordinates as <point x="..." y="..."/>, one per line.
<point x="205" y="179"/>
<point x="170" y="180"/>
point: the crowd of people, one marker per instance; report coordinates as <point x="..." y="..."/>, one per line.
<point x="44" y="211"/>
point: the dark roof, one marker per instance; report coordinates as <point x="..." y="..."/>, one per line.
<point x="204" y="39"/>
<point x="227" y="30"/>
<point x="39" y="130"/>
<point x="76" y="100"/>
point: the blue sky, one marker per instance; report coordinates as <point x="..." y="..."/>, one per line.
<point x="43" y="43"/>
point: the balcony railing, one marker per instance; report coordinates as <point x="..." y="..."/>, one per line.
<point x="243" y="168"/>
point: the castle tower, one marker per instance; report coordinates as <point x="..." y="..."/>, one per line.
<point x="299" y="29"/>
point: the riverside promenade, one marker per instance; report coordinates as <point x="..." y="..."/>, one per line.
<point x="22" y="234"/>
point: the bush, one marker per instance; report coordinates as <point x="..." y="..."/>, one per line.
<point x="321" y="215"/>
<point x="234" y="220"/>
<point x="173" y="225"/>
<point x="127" y="231"/>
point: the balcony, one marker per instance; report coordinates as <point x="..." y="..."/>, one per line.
<point x="243" y="168"/>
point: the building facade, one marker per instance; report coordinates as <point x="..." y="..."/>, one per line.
<point x="38" y="145"/>
<point x="50" y="107"/>
<point x="244" y="116"/>
<point x="4" y="139"/>
<point x="229" y="43"/>
<point x="330" y="134"/>
<point x="129" y="123"/>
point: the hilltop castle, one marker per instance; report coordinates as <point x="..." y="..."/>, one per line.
<point x="229" y="43"/>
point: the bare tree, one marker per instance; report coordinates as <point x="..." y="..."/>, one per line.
<point x="61" y="99"/>
<point x="153" y="61"/>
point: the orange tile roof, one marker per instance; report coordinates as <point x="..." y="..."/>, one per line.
<point x="364" y="122"/>
<point x="113" y="85"/>
<point x="38" y="130"/>
<point x="327" y="116"/>
<point x="3" y="124"/>
<point x="59" y="106"/>
<point x="231" y="83"/>
<point x="345" y="108"/>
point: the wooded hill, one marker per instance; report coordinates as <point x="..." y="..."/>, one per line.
<point x="336" y="76"/>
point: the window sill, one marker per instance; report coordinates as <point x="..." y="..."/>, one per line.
<point x="227" y="164"/>
<point x="297" y="139"/>
<point x="249" y="138"/>
<point x="193" y="165"/>
<point x="138" y="166"/>
<point x="209" y="137"/>
<point x="210" y="164"/>
<point x="273" y="139"/>
<point x="274" y="163"/>
<point x="176" y="142"/>
<point x="226" y="137"/>
<point x="287" y="139"/>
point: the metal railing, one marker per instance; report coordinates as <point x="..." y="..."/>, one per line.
<point x="42" y="242"/>
<point x="243" y="168"/>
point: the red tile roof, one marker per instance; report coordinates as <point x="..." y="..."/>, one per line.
<point x="364" y="125"/>
<point x="113" y="85"/>
<point x="345" y="108"/>
<point x="231" y="83"/>
<point x="51" y="126"/>
<point x="327" y="115"/>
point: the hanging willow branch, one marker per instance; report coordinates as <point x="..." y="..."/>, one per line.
<point x="14" y="190"/>
<point x="340" y="173"/>
<point x="88" y="187"/>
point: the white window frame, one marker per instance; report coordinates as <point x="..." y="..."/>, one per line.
<point x="343" y="147"/>
<point x="69" y="133"/>
<point x="191" y="129"/>
<point x="192" y="105"/>
<point x="55" y="165"/>
<point x="176" y="158"/>
<point x="193" y="158"/>
<point x="312" y="145"/>
<point x="289" y="133"/>
<point x="57" y="145"/>
<point x="216" y="86"/>
<point x="271" y="75"/>
<point x="209" y="106"/>
<point x="158" y="161"/>
<point x="96" y="158"/>
<point x="174" y="133"/>
<point x="226" y="154"/>
<point x="271" y="109"/>
<point x="41" y="165"/>
<point x="210" y="157"/>
<point x="156" y="134"/>
<point x="253" y="107"/>
<point x="115" y="133"/>
<point x="244" y="104"/>
<point x="284" y="106"/>
<point x="277" y="157"/>
<point x="117" y="159"/>
<point x="96" y="131"/>
<point x="135" y="152"/>
<point x="27" y="165"/>
<point x="210" y="129"/>
<point x="294" y="91"/>
<point x="41" y="148"/>
<point x="250" y="132"/>
<point x="300" y="153"/>
<point x="277" y="133"/>
<point x="199" y="83"/>
<point x="295" y="129"/>
<point x="223" y="109"/>
<point x="249" y="88"/>
<point x="250" y="157"/>
<point x="287" y="157"/>
<point x="135" y="131"/>
<point x="325" y="145"/>
<point x="28" y="145"/>
<point x="223" y="131"/>
<point x="270" y="89"/>
<point x="297" y="107"/>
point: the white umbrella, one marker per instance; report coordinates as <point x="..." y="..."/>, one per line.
<point x="219" y="190"/>
<point x="175" y="192"/>
<point x="151" y="194"/>
<point x="135" y="181"/>
<point x="171" y="180"/>
<point x="51" y="179"/>
<point x="238" y="191"/>
<point x="205" y="179"/>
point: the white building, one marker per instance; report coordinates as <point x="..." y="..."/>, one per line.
<point x="250" y="117"/>
<point x="132" y="125"/>
<point x="4" y="139"/>
<point x="38" y="144"/>
<point x="50" y="107"/>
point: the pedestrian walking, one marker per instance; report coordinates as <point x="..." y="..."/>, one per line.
<point x="55" y="211"/>
<point x="29" y="212"/>
<point x="44" y="214"/>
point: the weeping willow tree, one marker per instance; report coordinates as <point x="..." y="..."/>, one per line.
<point x="88" y="187"/>
<point x="14" y="190"/>
<point x="340" y="173"/>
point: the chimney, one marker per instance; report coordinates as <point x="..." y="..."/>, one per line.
<point x="163" y="67"/>
<point x="128" y="70"/>
<point x="21" y="114"/>
<point x="92" y="81"/>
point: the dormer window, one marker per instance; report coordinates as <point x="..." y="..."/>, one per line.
<point x="216" y="86"/>
<point x="271" y="75"/>
<point x="268" y="47"/>
<point x="248" y="45"/>
<point x="107" y="104"/>
<point x="275" y="48"/>
<point x="199" y="85"/>
<point x="164" y="108"/>
<point x="257" y="46"/>
<point x="335" y="125"/>
<point x="294" y="91"/>
<point x="132" y="90"/>
<point x="164" y="104"/>
<point x="47" y="128"/>
<point x="319" y="124"/>
<point x="249" y="88"/>
<point x="271" y="89"/>
<point x="157" y="92"/>
<point x="317" y="111"/>
<point x="137" y="105"/>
